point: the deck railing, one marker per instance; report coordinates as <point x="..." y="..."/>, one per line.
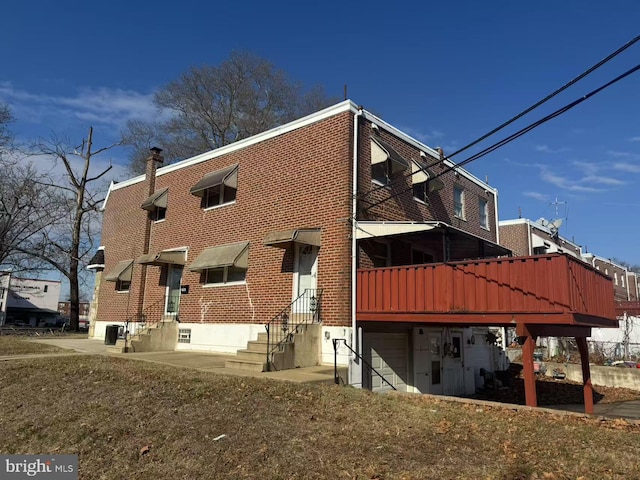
<point x="553" y="283"/>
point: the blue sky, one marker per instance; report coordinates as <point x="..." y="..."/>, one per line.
<point x="445" y="72"/>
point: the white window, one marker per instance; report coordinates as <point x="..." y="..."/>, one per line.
<point x="380" y="173"/>
<point x="218" y="195"/>
<point x="420" y="192"/>
<point x="458" y="202"/>
<point x="483" y="207"/>
<point x="225" y="275"/>
<point x="622" y="279"/>
<point x="123" y="285"/>
<point x="158" y="214"/>
<point x="615" y="277"/>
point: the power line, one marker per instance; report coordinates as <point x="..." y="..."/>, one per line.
<point x="527" y="110"/>
<point x="519" y="133"/>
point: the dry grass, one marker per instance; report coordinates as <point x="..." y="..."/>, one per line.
<point x="135" y="420"/>
<point x="15" y="345"/>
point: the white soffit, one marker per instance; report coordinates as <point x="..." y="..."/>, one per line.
<point x="383" y="229"/>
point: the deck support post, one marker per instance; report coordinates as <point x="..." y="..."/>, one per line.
<point x="527" y="362"/>
<point x="586" y="374"/>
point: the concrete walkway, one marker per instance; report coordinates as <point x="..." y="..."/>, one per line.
<point x="203" y="361"/>
<point x="214" y="362"/>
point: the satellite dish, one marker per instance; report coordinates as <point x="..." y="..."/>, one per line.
<point x="555" y="224"/>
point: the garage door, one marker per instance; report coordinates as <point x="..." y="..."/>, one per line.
<point x="387" y="353"/>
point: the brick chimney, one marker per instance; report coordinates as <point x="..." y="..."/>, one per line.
<point x="152" y="165"/>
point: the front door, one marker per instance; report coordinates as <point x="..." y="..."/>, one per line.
<point x="428" y="361"/>
<point x="306" y="273"/>
<point x="174" y="279"/>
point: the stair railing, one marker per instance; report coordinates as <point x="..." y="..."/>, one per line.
<point x="304" y="310"/>
<point x="151" y="316"/>
<point x="336" y="377"/>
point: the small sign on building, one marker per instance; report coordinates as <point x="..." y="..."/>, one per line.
<point x="184" y="289"/>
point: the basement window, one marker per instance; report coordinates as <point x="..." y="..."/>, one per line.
<point x="184" y="335"/>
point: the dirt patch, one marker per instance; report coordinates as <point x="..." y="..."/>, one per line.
<point x="128" y="419"/>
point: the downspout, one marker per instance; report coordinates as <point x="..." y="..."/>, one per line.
<point x="355" y="341"/>
<point x="495" y="207"/>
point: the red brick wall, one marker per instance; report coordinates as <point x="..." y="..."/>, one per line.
<point x="515" y="238"/>
<point x="404" y="206"/>
<point x="300" y="179"/>
<point x="620" y="292"/>
<point x="633" y="287"/>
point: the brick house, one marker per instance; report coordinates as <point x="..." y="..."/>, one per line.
<point x="283" y="226"/>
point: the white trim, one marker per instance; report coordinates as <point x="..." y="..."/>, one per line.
<point x="218" y="206"/>
<point x="228" y="284"/>
<point x="428" y="150"/>
<point x="328" y="112"/>
<point x="344" y="106"/>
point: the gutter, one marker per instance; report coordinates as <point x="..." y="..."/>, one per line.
<point x="354" y="220"/>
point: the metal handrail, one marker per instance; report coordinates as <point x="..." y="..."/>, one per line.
<point x="150" y="316"/>
<point x="336" y="377"/>
<point x="305" y="310"/>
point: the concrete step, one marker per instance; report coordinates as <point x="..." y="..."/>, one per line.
<point x="262" y="337"/>
<point x="243" y="364"/>
<point x="253" y="356"/>
<point x="257" y="346"/>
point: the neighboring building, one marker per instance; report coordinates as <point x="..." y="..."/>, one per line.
<point x="64" y="309"/>
<point x="525" y="237"/>
<point x="27" y="301"/>
<point x="299" y="220"/>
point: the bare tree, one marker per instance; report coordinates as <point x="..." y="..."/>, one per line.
<point x="212" y="106"/>
<point x="5" y="119"/>
<point x="73" y="211"/>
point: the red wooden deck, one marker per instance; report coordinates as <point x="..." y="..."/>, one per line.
<point x="550" y="289"/>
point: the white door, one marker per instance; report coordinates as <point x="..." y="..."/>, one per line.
<point x="452" y="364"/>
<point x="174" y="279"/>
<point x="387" y="353"/>
<point x="427" y="361"/>
<point x="306" y="273"/>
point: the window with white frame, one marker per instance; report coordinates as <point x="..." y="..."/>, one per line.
<point x="218" y="195"/>
<point x="123" y="285"/>
<point x="381" y="172"/>
<point x="458" y="202"/>
<point x="225" y="275"/>
<point x="158" y="214"/>
<point x="420" y="192"/>
<point x="622" y="280"/>
<point x="483" y="207"/>
<point x="615" y="277"/>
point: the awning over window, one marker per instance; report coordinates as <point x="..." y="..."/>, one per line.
<point x="420" y="174"/>
<point x="285" y="238"/>
<point x="157" y="200"/>
<point x="227" y="176"/>
<point x="97" y="261"/>
<point x="381" y="151"/>
<point x="122" y="271"/>
<point x="173" y="257"/>
<point x="233" y="254"/>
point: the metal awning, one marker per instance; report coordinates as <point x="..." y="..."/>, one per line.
<point x="173" y="257"/>
<point x="370" y="229"/>
<point x="420" y="174"/>
<point x="227" y="176"/>
<point x="157" y="200"/>
<point x="285" y="238"/>
<point x="97" y="261"/>
<point x="233" y="254"/>
<point x="381" y="151"/>
<point x="122" y="271"/>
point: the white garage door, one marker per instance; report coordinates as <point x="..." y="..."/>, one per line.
<point x="387" y="353"/>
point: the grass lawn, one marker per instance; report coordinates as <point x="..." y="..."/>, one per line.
<point x="17" y="345"/>
<point x="135" y="420"/>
